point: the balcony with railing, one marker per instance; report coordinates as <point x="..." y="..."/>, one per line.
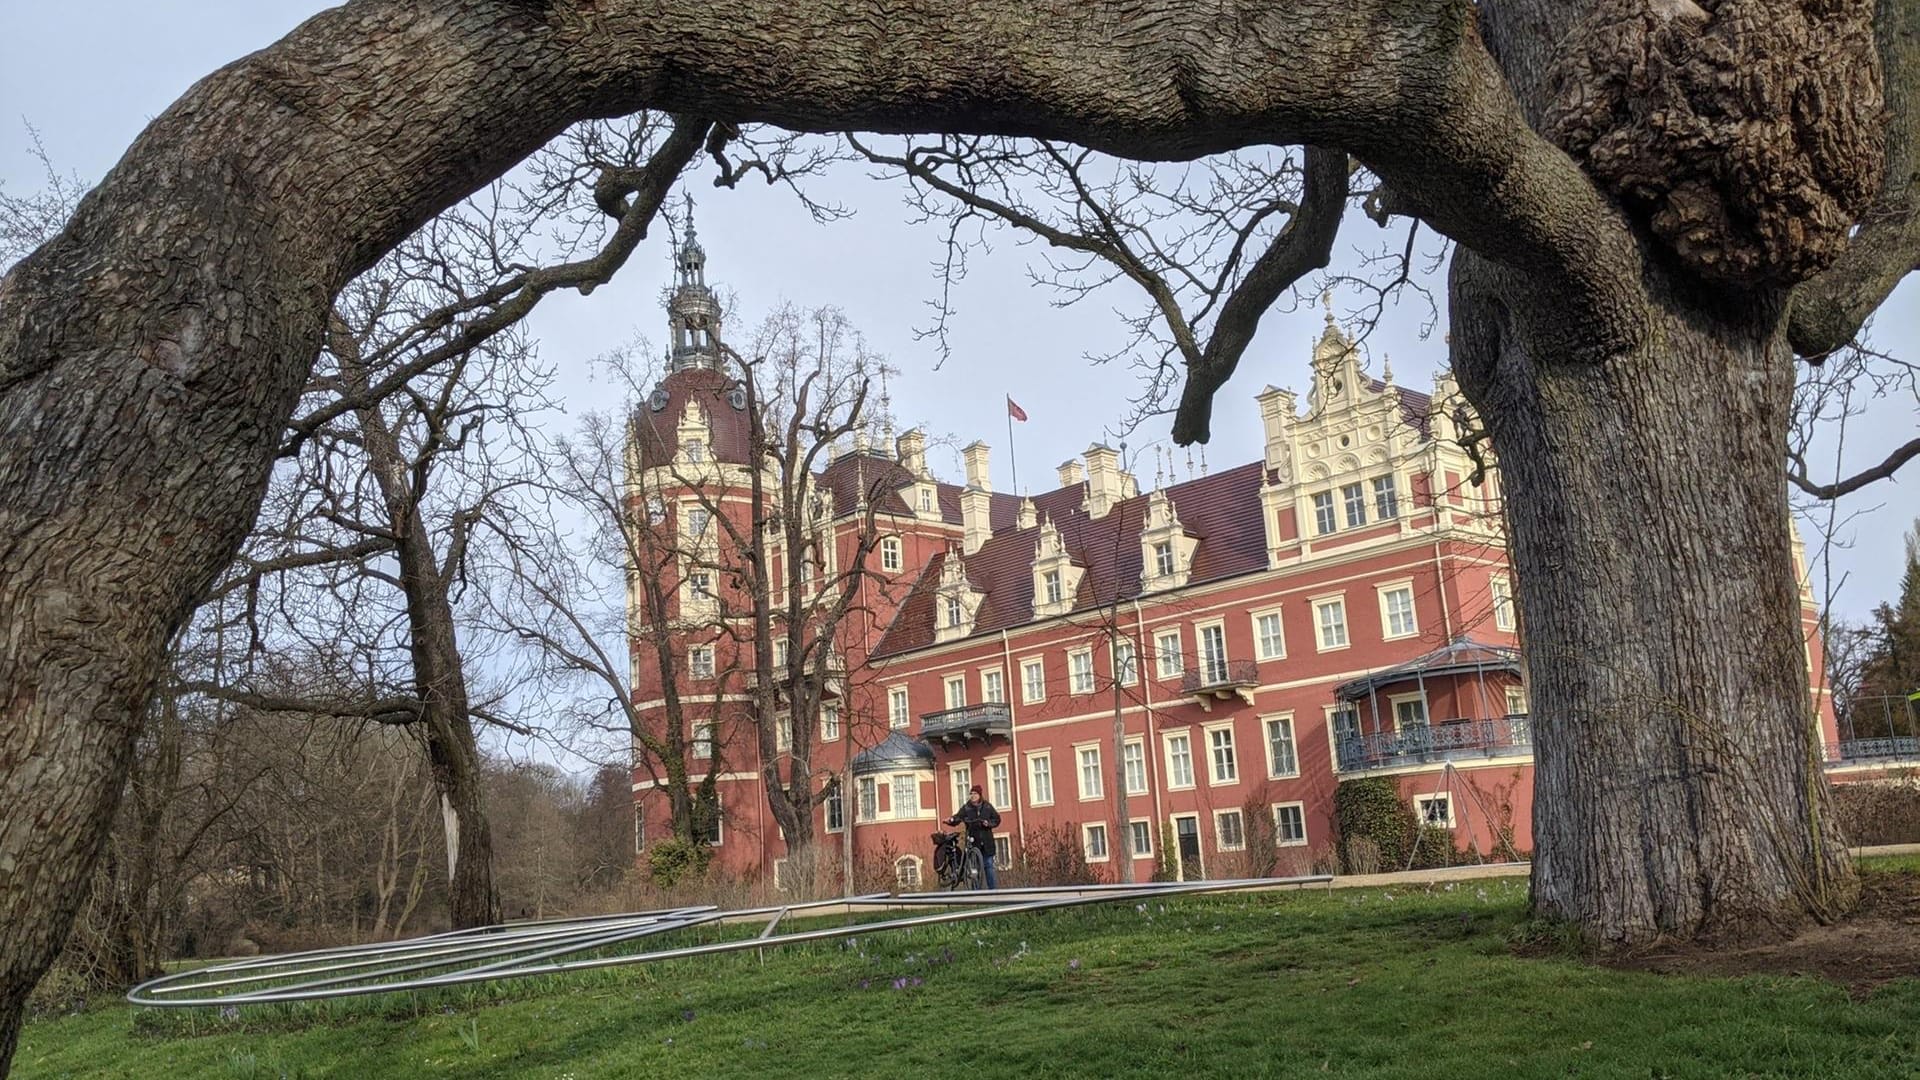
<point x="1217" y="680"/>
<point x="1892" y="749"/>
<point x="967" y="723"/>
<point x="1448" y="740"/>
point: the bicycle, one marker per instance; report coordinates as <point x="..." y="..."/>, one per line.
<point x="957" y="862"/>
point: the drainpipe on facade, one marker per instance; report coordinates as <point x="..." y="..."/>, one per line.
<point x="1014" y="770"/>
<point x="1446" y="612"/>
<point x="1147" y="744"/>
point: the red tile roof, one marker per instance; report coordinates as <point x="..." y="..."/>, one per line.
<point x="656" y="431"/>
<point x="1222" y="511"/>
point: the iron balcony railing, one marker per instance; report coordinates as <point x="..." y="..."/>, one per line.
<point x="1893" y="748"/>
<point x="1449" y="740"/>
<point x="1220" y="675"/>
<point x="980" y="721"/>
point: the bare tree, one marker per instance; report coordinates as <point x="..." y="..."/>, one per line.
<point x="1645" y="241"/>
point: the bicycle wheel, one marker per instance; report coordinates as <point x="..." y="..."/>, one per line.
<point x="976" y="876"/>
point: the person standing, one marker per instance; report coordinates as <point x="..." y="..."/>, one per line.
<point x="980" y="818"/>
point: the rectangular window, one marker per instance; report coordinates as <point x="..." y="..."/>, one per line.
<point x="1133" y="757"/>
<point x="956" y="613"/>
<point x="703" y="738"/>
<point x="1096" y="837"/>
<point x="706" y="829"/>
<point x="1052" y="579"/>
<point x="1409" y="712"/>
<point x="1230" y="830"/>
<point x="1142" y="838"/>
<point x="700" y="661"/>
<point x="1224" y="769"/>
<point x="1323" y="520"/>
<point x="783" y="733"/>
<point x="869" y="798"/>
<point x="1267" y="636"/>
<point x="905" y="790"/>
<point x="897" y="715"/>
<point x="836" y="810"/>
<point x="639" y="828"/>
<point x="1502" y="604"/>
<point x="1434" y="810"/>
<point x="1516" y="701"/>
<point x="1090" y="786"/>
<point x="1123" y="666"/>
<point x="1396" y="612"/>
<point x="956" y="691"/>
<point x="1179" y="761"/>
<point x="890" y="554"/>
<point x="1386" y="498"/>
<point x="1040" y="778"/>
<point x="1330" y="623"/>
<point x="926" y="500"/>
<point x="1033" y="680"/>
<point x="829" y="723"/>
<point x="1281" y="758"/>
<point x="1355" y="498"/>
<point x="1213" y="654"/>
<point x="993" y="686"/>
<point x="1080" y="671"/>
<point x="697" y="520"/>
<point x="1163" y="559"/>
<point x="780" y="653"/>
<point x="1002" y="852"/>
<point x="999" y="784"/>
<point x="1290" y="824"/>
<point x="1166" y="648"/>
<point x="962" y="776"/>
<point x="700" y="584"/>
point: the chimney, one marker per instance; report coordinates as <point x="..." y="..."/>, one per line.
<point x="1277" y="411"/>
<point x="976" y="454"/>
<point x="912" y="450"/>
<point x="1028" y="519"/>
<point x="1106" y="486"/>
<point x="1069" y="473"/>
<point x="976" y="518"/>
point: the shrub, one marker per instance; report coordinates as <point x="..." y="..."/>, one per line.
<point x="1370" y="809"/>
<point x="673" y="861"/>
<point x="1166" y="867"/>
<point x="1053" y="857"/>
<point x="1433" y="847"/>
<point x="1878" y="813"/>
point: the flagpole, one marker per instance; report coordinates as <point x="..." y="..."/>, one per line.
<point x="1013" y="459"/>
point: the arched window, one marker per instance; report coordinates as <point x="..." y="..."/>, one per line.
<point x="906" y="871"/>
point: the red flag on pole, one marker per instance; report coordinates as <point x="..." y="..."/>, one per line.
<point x="1015" y="411"/>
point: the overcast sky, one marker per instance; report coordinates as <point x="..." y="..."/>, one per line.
<point x="89" y="74"/>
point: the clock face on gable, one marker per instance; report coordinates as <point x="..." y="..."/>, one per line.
<point x="657" y="401"/>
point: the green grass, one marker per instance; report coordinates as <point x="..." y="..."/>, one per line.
<point x="1389" y="983"/>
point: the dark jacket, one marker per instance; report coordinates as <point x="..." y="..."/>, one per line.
<point x="981" y="819"/>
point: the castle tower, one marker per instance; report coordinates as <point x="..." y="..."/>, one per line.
<point x="693" y="314"/>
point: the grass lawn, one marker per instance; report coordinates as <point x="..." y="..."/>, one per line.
<point x="1391" y="983"/>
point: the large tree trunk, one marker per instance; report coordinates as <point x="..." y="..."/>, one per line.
<point x="1677" y="756"/>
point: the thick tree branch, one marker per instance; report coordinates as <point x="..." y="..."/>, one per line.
<point x="1830" y="308"/>
<point x="1304" y="245"/>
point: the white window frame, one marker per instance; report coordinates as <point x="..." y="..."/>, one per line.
<point x="1279" y="832"/>
<point x="1079" y="680"/>
<point x="699" y="520"/>
<point x="829" y="731"/>
<point x="1386" y="497"/>
<point x="1098" y="789"/>
<point x="993" y="686"/>
<point x="1260" y="642"/>
<point x="1173" y="770"/>
<point x="1000" y="788"/>
<point x="700" y="585"/>
<point x="1421" y="814"/>
<point x="1051" y="587"/>
<point x="1170" y="665"/>
<point x="956" y="610"/>
<point x="954" y="691"/>
<point x="781" y="653"/>
<point x="1326" y="517"/>
<point x="1274" y="772"/>
<point x="1219" y="837"/>
<point x="1387" y="632"/>
<point x="1127" y="670"/>
<point x="1136" y="827"/>
<point x="1501" y="589"/>
<point x="960" y="775"/>
<point x="1034" y="783"/>
<point x="1320" y="627"/>
<point x="639" y="828"/>
<point x="1166" y="562"/>
<point x="1028" y="686"/>
<point x="1087" y="833"/>
<point x="783" y="733"/>
<point x="893" y="795"/>
<point x="700" y="662"/>
<point x="1353" y="504"/>
<point x="1213" y="758"/>
<point x="1394" y="701"/>
<point x="837" y="798"/>
<point x="926" y="500"/>
<point x="890" y="554"/>
<point x="1208" y="673"/>
<point x="701" y="744"/>
<point x="899" y="708"/>
<point x="1133" y="753"/>
<point x="1516" y="695"/>
<point x="913" y="880"/>
<point x="866" y="803"/>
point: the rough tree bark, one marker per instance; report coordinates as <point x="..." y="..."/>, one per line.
<point x="152" y="352"/>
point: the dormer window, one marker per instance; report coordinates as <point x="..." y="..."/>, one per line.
<point x="1163" y="559"/>
<point x="696" y="451"/>
<point x="956" y="612"/>
<point x="926" y="500"/>
<point x="1053" y="586"/>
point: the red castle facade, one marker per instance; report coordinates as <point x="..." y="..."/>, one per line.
<point x="1340" y="608"/>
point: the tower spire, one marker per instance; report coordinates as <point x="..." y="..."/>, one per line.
<point x="693" y="313"/>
